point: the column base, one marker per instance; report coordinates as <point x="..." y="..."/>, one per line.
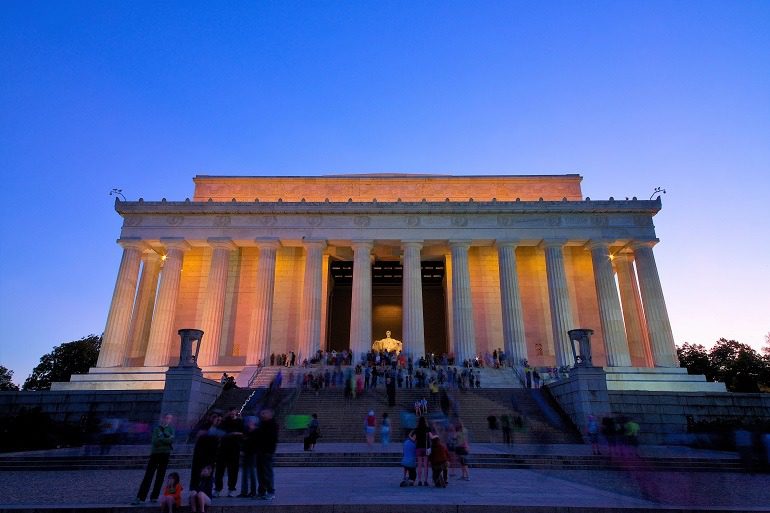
<point x="659" y="379"/>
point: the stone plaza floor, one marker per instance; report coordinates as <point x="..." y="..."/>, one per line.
<point x="360" y="489"/>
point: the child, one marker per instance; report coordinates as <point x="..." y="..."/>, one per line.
<point x="172" y="494"/>
<point x="409" y="460"/>
<point x="201" y="496"/>
<point x="439" y="457"/>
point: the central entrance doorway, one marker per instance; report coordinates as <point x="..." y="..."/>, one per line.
<point x="387" y="298"/>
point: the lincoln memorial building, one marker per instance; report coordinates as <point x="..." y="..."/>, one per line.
<point x="462" y="265"/>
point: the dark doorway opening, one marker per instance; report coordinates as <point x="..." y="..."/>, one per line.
<point x="387" y="297"/>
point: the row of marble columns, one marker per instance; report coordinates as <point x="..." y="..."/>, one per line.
<point x="640" y="327"/>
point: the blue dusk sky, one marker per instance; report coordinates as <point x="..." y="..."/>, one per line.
<point x="143" y="96"/>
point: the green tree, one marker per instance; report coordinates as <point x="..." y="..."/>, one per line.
<point x="65" y="360"/>
<point x="695" y="358"/>
<point x="739" y="366"/>
<point x="6" y="380"/>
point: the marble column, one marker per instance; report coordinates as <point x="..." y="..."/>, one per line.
<point x="514" y="339"/>
<point x="361" y="300"/>
<point x="610" y="314"/>
<point x="658" y="324"/>
<point x="144" y="305"/>
<point x="214" y="302"/>
<point x="310" y="308"/>
<point x="115" y="339"/>
<point x="262" y="313"/>
<point x="633" y="315"/>
<point x="162" y="328"/>
<point x="462" y="303"/>
<point x="559" y="301"/>
<point x="413" y="325"/>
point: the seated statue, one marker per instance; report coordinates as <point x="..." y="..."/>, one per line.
<point x="387" y="344"/>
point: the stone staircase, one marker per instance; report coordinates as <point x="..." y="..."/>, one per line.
<point x="182" y="459"/>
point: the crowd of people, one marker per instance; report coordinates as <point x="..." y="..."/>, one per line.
<point x="441" y="446"/>
<point x="225" y="446"/>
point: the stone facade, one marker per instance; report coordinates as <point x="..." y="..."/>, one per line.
<point x="525" y="258"/>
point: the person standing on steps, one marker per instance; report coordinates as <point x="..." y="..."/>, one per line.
<point x="229" y="453"/>
<point x="385" y="431"/>
<point x="162" y="444"/>
<point x="267" y="441"/>
<point x="370" y="427"/>
<point x="312" y="433"/>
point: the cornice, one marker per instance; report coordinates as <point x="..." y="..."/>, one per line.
<point x="645" y="207"/>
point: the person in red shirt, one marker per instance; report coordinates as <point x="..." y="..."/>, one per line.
<point x="172" y="494"/>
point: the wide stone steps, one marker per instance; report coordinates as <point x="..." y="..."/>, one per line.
<point x="387" y="459"/>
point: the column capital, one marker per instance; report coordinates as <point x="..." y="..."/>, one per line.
<point x="412" y="243"/>
<point x="623" y="256"/>
<point x="150" y="255"/>
<point x="221" y="243"/>
<point x="636" y="244"/>
<point x="361" y="244"/>
<point x="175" y="243"/>
<point x="463" y="244"/>
<point x="553" y="243"/>
<point x="267" y="243"/>
<point x="507" y="243"/>
<point x="314" y="243"/>
<point x="132" y="243"/>
<point x="597" y="243"/>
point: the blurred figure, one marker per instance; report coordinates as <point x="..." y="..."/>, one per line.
<point x="200" y="497"/>
<point x="592" y="431"/>
<point x="249" y="446"/>
<point x="267" y="441"/>
<point x="370" y="426"/>
<point x="172" y="494"/>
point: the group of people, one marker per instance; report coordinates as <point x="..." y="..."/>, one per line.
<point x="221" y="445"/>
<point x="443" y="448"/>
<point x="620" y="433"/>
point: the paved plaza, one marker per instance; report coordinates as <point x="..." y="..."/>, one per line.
<point x="321" y="489"/>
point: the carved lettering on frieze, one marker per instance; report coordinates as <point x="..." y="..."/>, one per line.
<point x="413" y="220"/>
<point x="222" y="221"/>
<point x="314" y="220"/>
<point x="577" y="220"/>
<point x="554" y="221"/>
<point x="459" y="221"/>
<point x="505" y="220"/>
<point x="174" y="220"/>
<point x="133" y="221"/>
<point x="361" y="221"/>
<point x="600" y="220"/>
<point x="267" y="220"/>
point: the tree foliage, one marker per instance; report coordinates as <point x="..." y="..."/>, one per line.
<point x="65" y="360"/>
<point x="6" y="380"/>
<point x="739" y="366"/>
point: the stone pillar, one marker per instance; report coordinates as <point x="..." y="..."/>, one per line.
<point x="559" y="301"/>
<point x="162" y="329"/>
<point x="310" y="309"/>
<point x="633" y="315"/>
<point x="658" y="324"/>
<point x="214" y="303"/>
<point x="361" y="300"/>
<point x="413" y="325"/>
<point x="115" y="339"/>
<point x="144" y="305"/>
<point x="514" y="339"/>
<point x="462" y="303"/>
<point x="610" y="314"/>
<point x="262" y="313"/>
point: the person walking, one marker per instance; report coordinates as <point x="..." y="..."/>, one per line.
<point x="162" y="444"/>
<point x="267" y="441"/>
